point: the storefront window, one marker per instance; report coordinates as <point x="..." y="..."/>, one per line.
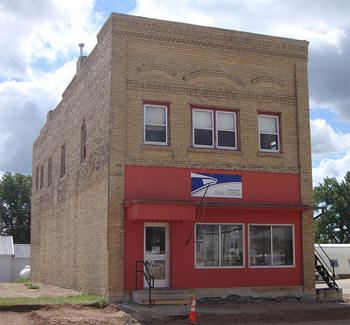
<point x="271" y="245"/>
<point x="219" y="245"/>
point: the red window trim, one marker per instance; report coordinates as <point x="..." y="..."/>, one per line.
<point x="261" y="112"/>
<point x="155" y="102"/>
<point x="279" y="115"/>
<point x="159" y="103"/>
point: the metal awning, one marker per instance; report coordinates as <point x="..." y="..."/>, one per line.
<point x="171" y="210"/>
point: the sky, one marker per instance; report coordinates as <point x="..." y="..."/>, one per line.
<point x="39" y="48"/>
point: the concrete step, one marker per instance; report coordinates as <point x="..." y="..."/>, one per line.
<point x="162" y="297"/>
<point x="167" y="302"/>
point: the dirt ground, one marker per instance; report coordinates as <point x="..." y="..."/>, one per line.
<point x="11" y="290"/>
<point x="69" y="315"/>
<point x="61" y="314"/>
<point x="249" y="313"/>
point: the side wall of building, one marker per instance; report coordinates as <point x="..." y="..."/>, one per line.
<point x="69" y="216"/>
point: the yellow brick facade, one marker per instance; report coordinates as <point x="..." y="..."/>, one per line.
<point x="77" y="225"/>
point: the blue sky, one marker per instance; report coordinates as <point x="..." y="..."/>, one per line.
<point x="39" y="41"/>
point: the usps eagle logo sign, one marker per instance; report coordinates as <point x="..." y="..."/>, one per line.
<point x="216" y="185"/>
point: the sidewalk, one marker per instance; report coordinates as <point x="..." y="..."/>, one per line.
<point x="262" y="313"/>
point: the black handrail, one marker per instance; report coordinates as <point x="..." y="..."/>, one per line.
<point x="148" y="276"/>
<point x="331" y="270"/>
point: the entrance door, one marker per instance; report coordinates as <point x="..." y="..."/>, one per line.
<point x="156" y="253"/>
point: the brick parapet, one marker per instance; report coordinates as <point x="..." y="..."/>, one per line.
<point x="165" y="31"/>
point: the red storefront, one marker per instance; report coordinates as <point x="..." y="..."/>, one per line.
<point x="213" y="242"/>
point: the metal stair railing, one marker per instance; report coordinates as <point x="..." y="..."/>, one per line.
<point x="148" y="276"/>
<point x="328" y="268"/>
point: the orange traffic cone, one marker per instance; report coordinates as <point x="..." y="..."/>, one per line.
<point x="192" y="316"/>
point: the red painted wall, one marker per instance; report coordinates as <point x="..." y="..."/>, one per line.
<point x="182" y="271"/>
<point x="174" y="184"/>
<point x="160" y="183"/>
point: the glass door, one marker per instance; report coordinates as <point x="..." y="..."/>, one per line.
<point x="156" y="253"/>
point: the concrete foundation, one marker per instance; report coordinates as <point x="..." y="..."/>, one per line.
<point x="329" y="295"/>
<point x="139" y="296"/>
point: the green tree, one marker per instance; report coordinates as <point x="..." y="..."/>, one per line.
<point x="15" y="206"/>
<point x="334" y="225"/>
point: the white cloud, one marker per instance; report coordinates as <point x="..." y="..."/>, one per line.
<point x="54" y="82"/>
<point x="20" y="119"/>
<point x="43" y="30"/>
<point x="325" y="140"/>
<point x="37" y="32"/>
<point x="331" y="168"/>
<point x="319" y="20"/>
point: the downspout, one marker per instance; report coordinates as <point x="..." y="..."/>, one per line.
<point x="322" y="212"/>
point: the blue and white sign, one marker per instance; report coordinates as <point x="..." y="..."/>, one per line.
<point x="219" y="185"/>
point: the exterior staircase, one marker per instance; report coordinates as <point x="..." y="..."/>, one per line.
<point x="324" y="273"/>
<point x="324" y="266"/>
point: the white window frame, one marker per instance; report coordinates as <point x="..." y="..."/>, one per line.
<point x="217" y="130"/>
<point x="166" y="125"/>
<point x="212" y="128"/>
<point x="218" y="267"/>
<point x="277" y="118"/>
<point x="271" y="266"/>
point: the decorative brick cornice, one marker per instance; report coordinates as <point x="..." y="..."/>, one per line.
<point x="131" y="84"/>
<point x="171" y="32"/>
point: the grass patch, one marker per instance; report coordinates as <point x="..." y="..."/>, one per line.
<point x="22" y="280"/>
<point x="82" y="299"/>
<point x="32" y="286"/>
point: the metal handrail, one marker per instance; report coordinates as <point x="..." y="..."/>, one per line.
<point x="330" y="269"/>
<point x="148" y="276"/>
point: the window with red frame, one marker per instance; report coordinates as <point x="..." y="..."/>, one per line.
<point x="214" y="128"/>
<point x="269" y="133"/>
<point x="155" y="124"/>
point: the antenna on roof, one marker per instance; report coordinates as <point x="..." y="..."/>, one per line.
<point x="81" y="45"/>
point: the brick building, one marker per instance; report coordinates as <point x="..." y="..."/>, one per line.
<point x="184" y="146"/>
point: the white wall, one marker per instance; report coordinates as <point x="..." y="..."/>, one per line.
<point x="5" y="268"/>
<point x="341" y="253"/>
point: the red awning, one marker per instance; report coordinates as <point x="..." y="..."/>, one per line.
<point x="160" y="211"/>
<point x="157" y="210"/>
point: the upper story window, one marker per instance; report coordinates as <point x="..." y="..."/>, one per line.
<point x="41" y="176"/>
<point x="49" y="172"/>
<point x="269" y="138"/>
<point x="83" y="142"/>
<point x="155" y="124"/>
<point x="63" y="161"/>
<point x="37" y="177"/>
<point x="214" y="128"/>
<point x="226" y="130"/>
